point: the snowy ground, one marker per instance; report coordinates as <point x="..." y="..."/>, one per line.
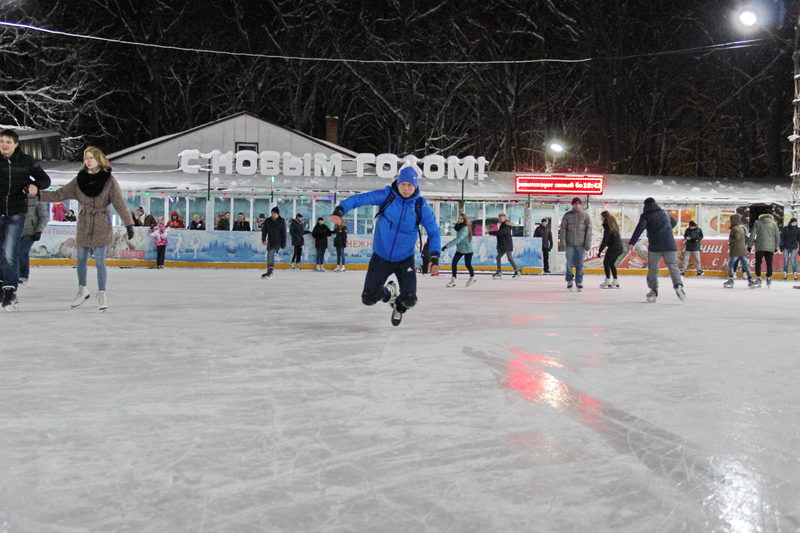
<point x="214" y="401"/>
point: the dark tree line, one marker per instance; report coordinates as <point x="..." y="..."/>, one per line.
<point x="724" y="113"/>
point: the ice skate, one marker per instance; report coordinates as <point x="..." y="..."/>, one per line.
<point x="699" y="273"/>
<point x="23" y="281"/>
<point x="82" y="296"/>
<point x="751" y="283"/>
<point x="606" y="284"/>
<point x="785" y="277"/>
<point x="757" y="283"/>
<point x="471" y="281"/>
<point x="680" y="292"/>
<point x="517" y="274"/>
<point x="267" y="274"/>
<point x="10" y="300"/>
<point x="579" y="287"/>
<point x="569" y="285"/>
<point x="451" y="283"/>
<point x="102" y="302"/>
<point x="683" y="273"/>
<point x="341" y="268"/>
<point x="652" y="295"/>
<point x="394" y="292"/>
<point x="729" y="284"/>
<point x="497" y="275"/>
<point x="795" y="276"/>
<point x="769" y="282"/>
<point x="397" y="316"/>
<point x="615" y="284"/>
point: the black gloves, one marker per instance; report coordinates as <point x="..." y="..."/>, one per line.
<point x="338" y="211"/>
<point x="444" y="247"/>
<point x="37" y="235"/>
<point x="130" y="232"/>
<point x="434" y="259"/>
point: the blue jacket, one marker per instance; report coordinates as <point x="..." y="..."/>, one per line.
<point x="395" y="237"/>
<point x="659" y="229"/>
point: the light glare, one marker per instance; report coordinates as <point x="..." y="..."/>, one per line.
<point x="748" y="18"/>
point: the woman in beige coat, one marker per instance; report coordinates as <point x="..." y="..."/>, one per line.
<point x="95" y="188"/>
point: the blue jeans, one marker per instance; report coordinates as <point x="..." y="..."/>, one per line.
<point x="575" y="256"/>
<point x="10" y="231"/>
<point x="790" y="260"/>
<point x="25" y="245"/>
<point x="271" y="257"/>
<point x="340" y="255"/>
<point x="100" y="260"/>
<point x="321" y="255"/>
<point x="745" y="266"/>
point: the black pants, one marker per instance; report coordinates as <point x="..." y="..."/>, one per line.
<point x="467" y="262"/>
<point x="768" y="257"/>
<point x="610" y="264"/>
<point x="297" y="255"/>
<point x="546" y="260"/>
<point x="160" y="252"/>
<point x="379" y="271"/>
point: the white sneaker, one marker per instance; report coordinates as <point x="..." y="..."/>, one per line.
<point x="102" y="303"/>
<point x="82" y="296"/>
<point x="471" y="280"/>
<point x="452" y="282"/>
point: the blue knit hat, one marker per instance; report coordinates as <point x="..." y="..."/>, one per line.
<point x="408" y="175"/>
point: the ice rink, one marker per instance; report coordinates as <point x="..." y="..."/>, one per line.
<point x="214" y="401"/>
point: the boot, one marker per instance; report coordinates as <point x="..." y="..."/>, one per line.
<point x="102" y="303"/>
<point x="82" y="296"/>
<point x="452" y="282"/>
<point x="471" y="280"/>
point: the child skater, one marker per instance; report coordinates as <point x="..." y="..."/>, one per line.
<point x="161" y="234"/>
<point x="402" y="210"/>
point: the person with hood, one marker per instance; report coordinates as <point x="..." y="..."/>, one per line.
<point x="20" y="177"/>
<point x="790" y="243"/>
<point x="463" y="244"/>
<point x="70" y="216"/>
<point x="401" y="210"/>
<point x="297" y="231"/>
<point x="197" y="223"/>
<point x="321" y="232"/>
<point x="767" y="238"/>
<point x="543" y="232"/>
<point x="692" y="238"/>
<point x="612" y="243"/>
<point x="175" y="221"/>
<point x="273" y="236"/>
<point x="505" y="245"/>
<point x="661" y="245"/>
<point x="35" y="221"/>
<point x="161" y="234"/>
<point x="95" y="188"/>
<point x="240" y="224"/>
<point x="59" y="210"/>
<point x="737" y="244"/>
<point x="340" y="243"/>
<point x="575" y="234"/>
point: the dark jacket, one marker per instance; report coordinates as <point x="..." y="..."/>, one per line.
<point x="693" y="236"/>
<point x="321" y="232"/>
<point x="197" y="225"/>
<point x="546" y="235"/>
<point x="37" y="218"/>
<point x="659" y="229"/>
<point x="274" y="233"/>
<point x="16" y="173"/>
<point x="505" y="242"/>
<point x="241" y="225"/>
<point x="223" y="224"/>
<point x="297" y="231"/>
<point x="340" y="237"/>
<point x="790" y="237"/>
<point x="611" y="240"/>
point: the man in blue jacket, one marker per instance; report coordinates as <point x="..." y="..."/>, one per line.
<point x="661" y="244"/>
<point x="402" y="210"/>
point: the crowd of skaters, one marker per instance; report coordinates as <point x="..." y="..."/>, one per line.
<point x="23" y="218"/>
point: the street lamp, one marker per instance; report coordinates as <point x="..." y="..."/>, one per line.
<point x="748" y="18"/>
<point x="556" y="148"/>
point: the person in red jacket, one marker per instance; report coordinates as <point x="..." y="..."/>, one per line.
<point x="175" y="221"/>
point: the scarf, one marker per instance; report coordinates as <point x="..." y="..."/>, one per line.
<point x="92" y="184"/>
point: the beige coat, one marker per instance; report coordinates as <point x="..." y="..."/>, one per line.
<point x="94" y="220"/>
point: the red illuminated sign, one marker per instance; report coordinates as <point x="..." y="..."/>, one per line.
<point x="558" y="184"/>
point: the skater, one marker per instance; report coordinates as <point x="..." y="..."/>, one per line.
<point x="790" y="243"/>
<point x="463" y="244"/>
<point x="612" y="243"/>
<point x="767" y="239"/>
<point x="297" y="231"/>
<point x="543" y="232"/>
<point x="401" y="211"/>
<point x="321" y="232"/>
<point x="505" y="245"/>
<point x="20" y="177"/>
<point x="737" y="245"/>
<point x="35" y="221"/>
<point x="175" y="221"/>
<point x="661" y="244"/>
<point x="161" y="234"/>
<point x="240" y="224"/>
<point x="273" y="236"/>
<point x="692" y="238"/>
<point x="70" y="216"/>
<point x="575" y="234"/>
<point x="95" y="188"/>
<point x="197" y="223"/>
<point x="340" y="243"/>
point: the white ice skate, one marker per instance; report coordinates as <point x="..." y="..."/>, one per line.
<point x="729" y="284"/>
<point x="394" y="292"/>
<point x="471" y="280"/>
<point x="680" y="292"/>
<point x="652" y="295"/>
<point x="579" y="287"/>
<point x="451" y="283"/>
<point x="606" y="284"/>
<point x="517" y="274"/>
<point x="102" y="302"/>
<point x="497" y="275"/>
<point x="82" y="296"/>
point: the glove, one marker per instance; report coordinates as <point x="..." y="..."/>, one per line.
<point x="37" y="235"/>
<point x="130" y="232"/>
<point x="444" y="247"/>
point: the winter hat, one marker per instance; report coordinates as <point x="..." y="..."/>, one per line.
<point x="299" y="215"/>
<point x="174" y="214"/>
<point x="261" y="215"/>
<point x="544" y="220"/>
<point x="320" y="219"/>
<point x="276" y="210"/>
<point x="648" y="201"/>
<point x="692" y="223"/>
<point x="576" y="200"/>
<point x="792" y="221"/>
<point x="408" y="175"/>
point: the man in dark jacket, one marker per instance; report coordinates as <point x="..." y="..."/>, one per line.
<point x="790" y="243"/>
<point x="273" y="236"/>
<point x="543" y="232"/>
<point x="661" y="244"/>
<point x="692" y="238"/>
<point x="505" y="245"/>
<point x="297" y="231"/>
<point x="20" y="177"/>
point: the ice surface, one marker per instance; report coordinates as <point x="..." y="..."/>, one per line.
<point x="214" y="401"/>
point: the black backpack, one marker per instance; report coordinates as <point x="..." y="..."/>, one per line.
<point x="417" y="209"/>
